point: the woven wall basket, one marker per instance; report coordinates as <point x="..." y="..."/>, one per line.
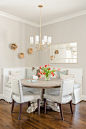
<point x="30" y="51"/>
<point x="21" y="55"/>
<point x="14" y="46"/>
<point x="52" y="57"/>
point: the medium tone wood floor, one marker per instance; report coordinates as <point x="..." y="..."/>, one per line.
<point x="51" y="120"/>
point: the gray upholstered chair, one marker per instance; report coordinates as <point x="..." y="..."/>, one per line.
<point x="21" y="97"/>
<point x="64" y="97"/>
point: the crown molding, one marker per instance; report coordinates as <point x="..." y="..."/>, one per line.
<point x="64" y="18"/>
<point x="45" y="23"/>
<point x="18" y="19"/>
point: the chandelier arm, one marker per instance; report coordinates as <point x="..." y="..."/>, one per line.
<point x="42" y="47"/>
<point x="32" y="47"/>
<point x="47" y="48"/>
<point x="38" y="47"/>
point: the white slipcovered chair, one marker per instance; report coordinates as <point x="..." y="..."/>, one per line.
<point x="64" y="97"/>
<point x="21" y="97"/>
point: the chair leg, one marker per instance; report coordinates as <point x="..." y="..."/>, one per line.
<point x="38" y="106"/>
<point x="12" y="105"/>
<point x="61" y="111"/>
<point x="71" y="106"/>
<point x="44" y="105"/>
<point x="28" y="103"/>
<point x="20" y="110"/>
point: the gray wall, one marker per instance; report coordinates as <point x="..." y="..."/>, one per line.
<point x="72" y="30"/>
<point x="12" y="31"/>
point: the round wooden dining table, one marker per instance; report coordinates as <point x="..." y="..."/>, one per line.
<point x="42" y="84"/>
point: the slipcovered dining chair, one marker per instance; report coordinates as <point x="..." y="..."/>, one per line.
<point x="21" y="97"/>
<point x="64" y="97"/>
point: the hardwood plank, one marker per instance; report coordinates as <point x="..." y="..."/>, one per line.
<point x="50" y="120"/>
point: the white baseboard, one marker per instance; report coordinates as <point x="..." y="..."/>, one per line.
<point x="6" y="98"/>
<point x="84" y="97"/>
<point x="77" y="100"/>
<point x="1" y="96"/>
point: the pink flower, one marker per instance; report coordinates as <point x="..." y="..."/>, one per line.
<point x="38" y="73"/>
<point x="44" y="73"/>
<point x="51" y="72"/>
<point x="56" y="76"/>
<point x="40" y="77"/>
<point x="48" y="65"/>
<point x="45" y="66"/>
<point x="40" y="67"/>
<point x="58" y="68"/>
<point x="53" y="68"/>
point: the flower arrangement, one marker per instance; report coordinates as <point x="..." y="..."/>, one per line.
<point x="46" y="71"/>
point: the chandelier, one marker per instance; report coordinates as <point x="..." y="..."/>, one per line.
<point x="42" y="43"/>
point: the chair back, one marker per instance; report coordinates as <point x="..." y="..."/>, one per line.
<point x="16" y="86"/>
<point x="67" y="87"/>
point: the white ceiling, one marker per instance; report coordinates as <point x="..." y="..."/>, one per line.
<point x="52" y="9"/>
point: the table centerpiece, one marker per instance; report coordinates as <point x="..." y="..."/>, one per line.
<point x="46" y="71"/>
